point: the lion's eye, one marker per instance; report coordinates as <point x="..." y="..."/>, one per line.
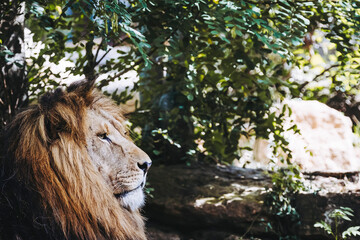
<point x="104" y="136"/>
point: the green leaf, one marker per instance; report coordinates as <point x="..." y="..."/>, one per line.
<point x="324" y="226"/>
<point x="351" y="231"/>
<point x="228" y="18"/>
<point x="256" y="10"/>
<point x="190" y="97"/>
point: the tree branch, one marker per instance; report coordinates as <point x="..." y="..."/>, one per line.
<point x="97" y="52"/>
<point x="118" y="44"/>
<point x="125" y="70"/>
<point x="322" y="73"/>
<point x="302" y="86"/>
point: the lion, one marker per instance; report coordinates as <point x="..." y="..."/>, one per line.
<point x="69" y="170"/>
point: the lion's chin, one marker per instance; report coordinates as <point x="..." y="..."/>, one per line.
<point x="132" y="200"/>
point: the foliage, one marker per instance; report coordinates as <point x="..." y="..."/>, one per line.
<point x="331" y="54"/>
<point x="338" y="215"/>
<point x="216" y="64"/>
<point x="287" y="184"/>
<point x="148" y="189"/>
<point x="68" y="29"/>
<point x="209" y="70"/>
<point x="219" y="71"/>
<point x="219" y="67"/>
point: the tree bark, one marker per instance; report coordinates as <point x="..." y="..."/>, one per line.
<point x="13" y="83"/>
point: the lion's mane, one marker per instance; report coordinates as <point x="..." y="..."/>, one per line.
<point x="49" y="188"/>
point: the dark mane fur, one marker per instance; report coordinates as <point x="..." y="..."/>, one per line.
<point x="48" y="187"/>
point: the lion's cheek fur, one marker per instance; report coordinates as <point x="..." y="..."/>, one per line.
<point x="133" y="200"/>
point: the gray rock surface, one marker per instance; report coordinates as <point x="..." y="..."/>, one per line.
<point x="218" y="202"/>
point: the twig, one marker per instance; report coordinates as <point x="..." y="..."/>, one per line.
<point x="97" y="51"/>
<point x="322" y="73"/>
<point x="139" y="61"/>
<point x="103" y="56"/>
<point x="317" y="76"/>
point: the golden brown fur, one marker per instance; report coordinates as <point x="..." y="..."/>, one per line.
<point x="51" y="187"/>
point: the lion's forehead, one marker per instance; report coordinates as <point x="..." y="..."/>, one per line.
<point x="101" y="120"/>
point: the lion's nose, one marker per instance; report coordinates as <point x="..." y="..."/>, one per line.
<point x="144" y="166"/>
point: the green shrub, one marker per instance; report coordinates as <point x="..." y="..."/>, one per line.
<point x="338" y="215"/>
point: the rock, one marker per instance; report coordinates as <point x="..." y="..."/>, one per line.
<point x="325" y="143"/>
<point x="154" y="233"/>
<point x="201" y="201"/>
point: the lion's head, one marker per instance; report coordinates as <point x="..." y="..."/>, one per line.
<point x="70" y="171"/>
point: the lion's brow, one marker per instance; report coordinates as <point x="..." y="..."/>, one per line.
<point x="112" y="120"/>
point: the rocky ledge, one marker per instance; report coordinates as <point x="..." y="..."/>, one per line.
<point x="222" y="202"/>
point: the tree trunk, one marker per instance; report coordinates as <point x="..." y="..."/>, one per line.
<point x="13" y="84"/>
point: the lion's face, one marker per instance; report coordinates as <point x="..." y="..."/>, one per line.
<point x="121" y="163"/>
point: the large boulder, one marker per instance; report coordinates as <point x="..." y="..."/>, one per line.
<point x="325" y="142"/>
<point x="218" y="202"/>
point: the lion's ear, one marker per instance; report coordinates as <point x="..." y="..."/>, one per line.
<point x="82" y="89"/>
<point x="63" y="112"/>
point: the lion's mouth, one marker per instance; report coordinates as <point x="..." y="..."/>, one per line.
<point x="124" y="193"/>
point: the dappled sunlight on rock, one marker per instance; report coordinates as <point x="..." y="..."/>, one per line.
<point x="202" y="201"/>
<point x="225" y="198"/>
